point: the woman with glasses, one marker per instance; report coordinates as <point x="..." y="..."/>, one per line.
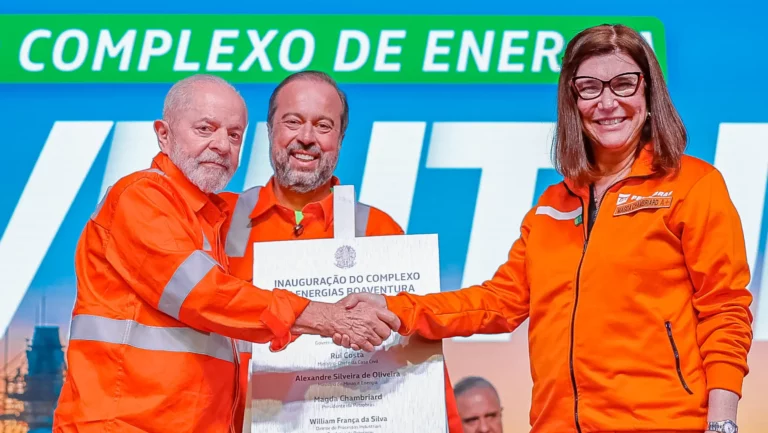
<point x="632" y="271"/>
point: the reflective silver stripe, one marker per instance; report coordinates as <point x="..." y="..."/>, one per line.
<point x="154" y="170"/>
<point x="244" y="346"/>
<point x="240" y="228"/>
<point x="189" y="273"/>
<point x="361" y="219"/>
<point x="101" y="204"/>
<point x="206" y="243"/>
<point x="130" y="333"/>
<point x="558" y="214"/>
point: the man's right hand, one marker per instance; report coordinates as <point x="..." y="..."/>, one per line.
<point x="356" y="300"/>
<point x="350" y="301"/>
<point x="366" y="325"/>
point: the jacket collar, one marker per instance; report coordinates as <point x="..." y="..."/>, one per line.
<point x="268" y="200"/>
<point x="641" y="167"/>
<point x="193" y="195"/>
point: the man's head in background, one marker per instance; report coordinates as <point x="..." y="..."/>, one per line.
<point x="479" y="405"/>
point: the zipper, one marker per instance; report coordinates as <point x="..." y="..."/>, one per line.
<point x="677" y="357"/>
<point x="573" y="324"/>
<point x="236" y="354"/>
<point x="222" y="258"/>
<point x="224" y="262"/>
<point x="589" y="225"/>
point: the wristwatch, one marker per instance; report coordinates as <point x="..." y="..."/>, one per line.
<point x="726" y="426"/>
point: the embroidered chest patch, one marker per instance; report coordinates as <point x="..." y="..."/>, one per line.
<point x="628" y="203"/>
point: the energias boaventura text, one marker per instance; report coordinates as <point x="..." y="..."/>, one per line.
<point x="324" y="286"/>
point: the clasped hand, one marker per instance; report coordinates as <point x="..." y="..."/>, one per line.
<point x="366" y="323"/>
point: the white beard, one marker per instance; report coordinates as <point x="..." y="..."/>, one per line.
<point x="208" y="179"/>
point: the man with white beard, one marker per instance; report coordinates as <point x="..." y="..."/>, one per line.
<point x="152" y="339"/>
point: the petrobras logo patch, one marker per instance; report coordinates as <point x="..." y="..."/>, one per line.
<point x="393" y="163"/>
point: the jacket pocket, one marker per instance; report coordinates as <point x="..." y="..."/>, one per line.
<point x="677" y="357"/>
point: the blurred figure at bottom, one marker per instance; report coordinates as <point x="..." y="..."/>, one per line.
<point x="479" y="405"/>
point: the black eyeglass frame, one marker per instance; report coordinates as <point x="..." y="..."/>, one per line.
<point x="603" y="83"/>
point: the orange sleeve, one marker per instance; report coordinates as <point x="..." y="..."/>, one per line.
<point x="155" y="245"/>
<point x="713" y="245"/>
<point x="381" y="224"/>
<point x="499" y="305"/>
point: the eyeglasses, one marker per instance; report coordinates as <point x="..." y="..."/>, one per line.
<point x="622" y="85"/>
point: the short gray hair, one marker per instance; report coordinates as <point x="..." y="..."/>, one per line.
<point x="472" y="382"/>
<point x="178" y="97"/>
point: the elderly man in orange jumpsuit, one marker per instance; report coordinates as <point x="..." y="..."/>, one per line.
<point x="153" y="339"/>
<point x="306" y="120"/>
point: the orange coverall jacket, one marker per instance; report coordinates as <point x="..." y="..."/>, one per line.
<point x="258" y="217"/>
<point x="631" y="324"/>
<point x="153" y="336"/>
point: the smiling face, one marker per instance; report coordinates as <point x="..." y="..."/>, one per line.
<point x="305" y="135"/>
<point x="613" y="123"/>
<point x="599" y="129"/>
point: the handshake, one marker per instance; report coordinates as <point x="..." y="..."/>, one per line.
<point x="360" y="321"/>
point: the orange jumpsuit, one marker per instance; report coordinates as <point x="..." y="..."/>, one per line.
<point x="152" y="343"/>
<point x="258" y="217"/>
<point x="634" y="318"/>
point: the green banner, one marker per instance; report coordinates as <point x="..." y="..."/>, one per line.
<point x="265" y="48"/>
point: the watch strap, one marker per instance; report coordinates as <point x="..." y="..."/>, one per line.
<point x="725" y="426"/>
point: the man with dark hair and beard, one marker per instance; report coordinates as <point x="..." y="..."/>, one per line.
<point x="306" y="121"/>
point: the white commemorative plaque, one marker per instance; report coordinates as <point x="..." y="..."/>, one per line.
<point x="314" y="385"/>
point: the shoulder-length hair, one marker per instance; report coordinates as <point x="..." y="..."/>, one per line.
<point x="571" y="150"/>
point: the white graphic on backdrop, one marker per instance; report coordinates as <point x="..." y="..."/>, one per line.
<point x="133" y="146"/>
<point x="50" y="190"/>
<point x="259" y="169"/>
<point x="742" y="156"/>
<point x="391" y="168"/>
<point x="505" y="192"/>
